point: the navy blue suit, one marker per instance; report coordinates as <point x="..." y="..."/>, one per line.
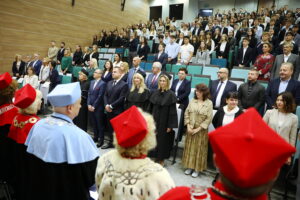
<point x="115" y="96"/>
<point x="96" y="99"/>
<point x="163" y="59"/>
<point x="273" y="87"/>
<point x="54" y="79"/>
<point x="107" y="78"/>
<point x="151" y="86"/>
<point x="183" y="92"/>
<point x="229" y="87"/>
<point x="37" y="66"/>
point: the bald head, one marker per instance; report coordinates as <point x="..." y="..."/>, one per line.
<point x="223" y="74"/>
<point x="136" y="61"/>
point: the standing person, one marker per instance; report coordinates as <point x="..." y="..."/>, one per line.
<point x="264" y="62"/>
<point x="132" y="45"/>
<point x="152" y="79"/>
<point x="186" y="51"/>
<point x="143" y="49"/>
<point x="94" y="53"/>
<point x="197" y="118"/>
<point x="61" y="52"/>
<point x="282" y="118"/>
<point x="284" y="83"/>
<point x="28" y="100"/>
<point x="93" y="65"/>
<point x="245" y="54"/>
<point x="36" y="63"/>
<point x="172" y="49"/>
<point x="163" y="109"/>
<point x="223" y="47"/>
<point x="202" y="55"/>
<point x="254" y="177"/>
<point x="77" y="57"/>
<point x="52" y="51"/>
<point x="252" y="94"/>
<point x="60" y="155"/>
<point x="139" y="93"/>
<point x="136" y="68"/>
<point x="107" y="72"/>
<point x="31" y="78"/>
<point x="161" y="56"/>
<point x="44" y="72"/>
<point x="129" y="161"/>
<point x="53" y="76"/>
<point x="95" y="104"/>
<point x="66" y="62"/>
<point x="86" y="56"/>
<point x="124" y="67"/>
<point x="114" y="99"/>
<point x="228" y="113"/>
<point x="220" y="88"/>
<point x="117" y="60"/>
<point x="18" y="67"/>
<point x="81" y="119"/>
<point x="8" y="111"/>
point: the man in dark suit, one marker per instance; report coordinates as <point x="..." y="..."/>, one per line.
<point x="182" y="89"/>
<point x="152" y="80"/>
<point x="223" y="28"/>
<point x="96" y="106"/>
<point x="287" y="56"/>
<point x="36" y="63"/>
<point x="114" y="98"/>
<point x="245" y="54"/>
<point x="284" y="83"/>
<point x="237" y="33"/>
<point x="136" y="68"/>
<point x="161" y="57"/>
<point x="61" y="52"/>
<point x="197" y="29"/>
<point x="220" y="88"/>
<point x="252" y="94"/>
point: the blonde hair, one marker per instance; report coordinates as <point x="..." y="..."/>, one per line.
<point x="17" y="56"/>
<point x="34" y="107"/>
<point x="168" y="82"/>
<point x="148" y="143"/>
<point x="84" y="75"/>
<point x="142" y="86"/>
<point x="95" y="63"/>
<point x="126" y="67"/>
<point x="87" y="49"/>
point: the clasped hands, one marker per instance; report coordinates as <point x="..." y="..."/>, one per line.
<point x="192" y="131"/>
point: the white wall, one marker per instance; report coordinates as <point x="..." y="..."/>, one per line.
<point x="292" y="4"/>
<point x="249" y="5"/>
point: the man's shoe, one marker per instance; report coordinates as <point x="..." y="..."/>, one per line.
<point x="107" y="146"/>
<point x="100" y="144"/>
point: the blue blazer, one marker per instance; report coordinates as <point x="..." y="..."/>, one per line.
<point x="37" y="66"/>
<point x="115" y="95"/>
<point x="273" y="87"/>
<point x="131" y="73"/>
<point x="150" y="86"/>
<point x="184" y="91"/>
<point x="163" y="59"/>
<point x="230" y="87"/>
<point x="96" y="95"/>
<point x="107" y="78"/>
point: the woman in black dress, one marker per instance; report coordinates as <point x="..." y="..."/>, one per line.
<point x="163" y="109"/>
<point x="139" y="94"/>
<point x="107" y="72"/>
<point x="77" y="57"/>
<point x="143" y="49"/>
<point x="82" y="118"/>
<point x="18" y="67"/>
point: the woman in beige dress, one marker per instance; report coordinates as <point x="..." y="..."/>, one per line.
<point x="197" y="118"/>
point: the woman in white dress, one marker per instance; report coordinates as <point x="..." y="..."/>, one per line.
<point x="31" y="78"/>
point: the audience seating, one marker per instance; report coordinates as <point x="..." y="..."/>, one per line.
<point x="214" y="55"/>
<point x="111" y="50"/>
<point x="175" y="68"/>
<point x="66" y="79"/>
<point x="76" y="70"/>
<point x="211" y="71"/>
<point x="148" y="66"/>
<point x="263" y="83"/>
<point x="142" y="65"/>
<point x="101" y="64"/>
<point x="126" y="53"/>
<point x="230" y="59"/>
<point x="119" y="50"/>
<point x="240" y="72"/>
<point x="150" y="44"/>
<point x="103" y="50"/>
<point x="194" y="69"/>
<point x="168" y="67"/>
<point x="108" y="56"/>
<point x="150" y="58"/>
<point x="100" y="56"/>
<point x="192" y="94"/>
<point x="197" y="79"/>
<point x="219" y="62"/>
<point x="188" y="77"/>
<point x="237" y="81"/>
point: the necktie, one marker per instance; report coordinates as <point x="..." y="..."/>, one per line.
<point x="114" y="83"/>
<point x="153" y="80"/>
<point x="218" y="90"/>
<point x="95" y="84"/>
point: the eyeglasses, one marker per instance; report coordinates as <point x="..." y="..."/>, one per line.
<point x="221" y="72"/>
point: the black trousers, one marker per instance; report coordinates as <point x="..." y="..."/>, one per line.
<point x="98" y="123"/>
<point x="110" y="129"/>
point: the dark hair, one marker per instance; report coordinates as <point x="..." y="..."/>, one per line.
<point x="269" y="45"/>
<point x="183" y="69"/>
<point x="53" y="63"/>
<point x="160" y="37"/>
<point x="186" y="37"/>
<point x="246" y="39"/>
<point x="289" y="33"/>
<point x="172" y="36"/>
<point x="63" y="43"/>
<point x="8" y="93"/>
<point x="204" y="89"/>
<point x="31" y="68"/>
<point x="119" y="56"/>
<point x="233" y="95"/>
<point x="162" y="44"/>
<point x="111" y="66"/>
<point x="289" y="102"/>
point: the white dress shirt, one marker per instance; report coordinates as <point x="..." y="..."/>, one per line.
<point x="286" y="57"/>
<point x="219" y="97"/>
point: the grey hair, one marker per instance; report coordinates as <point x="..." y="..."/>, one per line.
<point x="157" y="64"/>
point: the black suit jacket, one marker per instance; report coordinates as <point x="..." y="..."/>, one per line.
<point x="183" y="91"/>
<point x="238" y="37"/>
<point x="255" y="99"/>
<point x="247" y="57"/>
<point x="196" y="32"/>
<point x="273" y="87"/>
<point x="230" y="87"/>
<point x="60" y="54"/>
<point x="54" y="79"/>
<point x="115" y="96"/>
<point x="96" y="94"/>
<point x="21" y="70"/>
<point x="225" y="31"/>
<point x="219" y="116"/>
<point x="225" y="53"/>
<point x="163" y="59"/>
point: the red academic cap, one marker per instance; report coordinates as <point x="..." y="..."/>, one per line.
<point x="248" y="152"/>
<point x="25" y="96"/>
<point x="177" y="193"/>
<point x="5" y="80"/>
<point x="130" y="127"/>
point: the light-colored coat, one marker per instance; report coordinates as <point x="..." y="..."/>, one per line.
<point x="32" y="80"/>
<point x="294" y="59"/>
<point x="130" y="179"/>
<point x="52" y="53"/>
<point x="203" y="57"/>
<point x="288" y="129"/>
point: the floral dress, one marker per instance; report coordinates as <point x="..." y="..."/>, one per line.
<point x="264" y="64"/>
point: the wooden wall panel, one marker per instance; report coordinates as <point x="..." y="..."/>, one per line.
<point x="28" y="26"/>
